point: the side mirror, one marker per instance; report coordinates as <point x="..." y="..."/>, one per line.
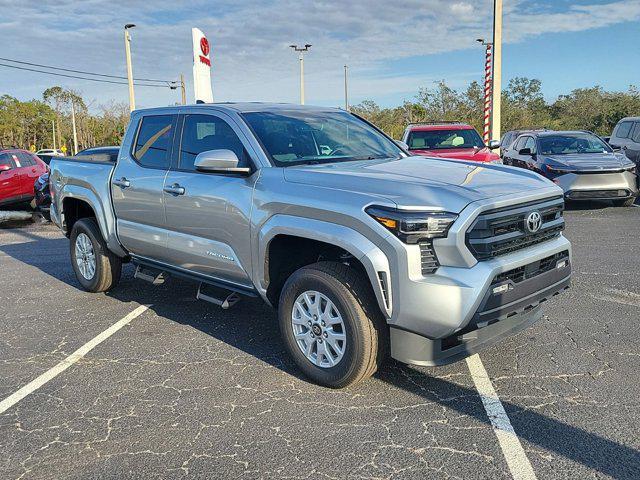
<point x="4" y="167"/>
<point x="219" y="161"/>
<point x="402" y="145"/>
<point x="493" y="144"/>
<point x="525" y="151"/>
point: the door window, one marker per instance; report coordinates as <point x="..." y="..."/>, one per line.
<point x="623" y="130"/>
<point x="519" y="145"/>
<point x="5" y="159"/>
<point x="207" y="132"/>
<point x="153" y="143"/>
<point x="530" y="143"/>
<point x="635" y="136"/>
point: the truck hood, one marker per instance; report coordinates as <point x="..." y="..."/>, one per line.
<point x="420" y="181"/>
<point x="472" y="154"/>
<point x="589" y="161"/>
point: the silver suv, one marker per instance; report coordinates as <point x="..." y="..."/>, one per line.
<point x="363" y="249"/>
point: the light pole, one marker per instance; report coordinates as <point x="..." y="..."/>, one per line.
<point x="346" y="88"/>
<point x="127" y="50"/>
<point x="183" y="90"/>
<point x="488" y="69"/>
<point x="301" y="51"/>
<point x="73" y="123"/>
<point x="497" y="69"/>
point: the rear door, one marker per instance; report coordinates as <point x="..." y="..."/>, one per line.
<point x="621" y="134"/>
<point x="136" y="185"/>
<point x="209" y="221"/>
<point x="632" y="149"/>
<point x="10" y="186"/>
<point x="29" y="173"/>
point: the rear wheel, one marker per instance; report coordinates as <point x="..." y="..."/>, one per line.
<point x="331" y="324"/>
<point x="96" y="268"/>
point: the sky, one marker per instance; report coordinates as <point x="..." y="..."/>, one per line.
<point x="392" y="47"/>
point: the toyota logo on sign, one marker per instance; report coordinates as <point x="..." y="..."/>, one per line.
<point x="204" y="46"/>
<point x="533" y="222"/>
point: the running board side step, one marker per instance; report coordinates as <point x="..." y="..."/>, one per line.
<point x="156" y="277"/>
<point x="222" y="297"/>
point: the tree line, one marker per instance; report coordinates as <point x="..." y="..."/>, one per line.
<point x="48" y="122"/>
<point x="32" y="123"/>
<point x="523" y="107"/>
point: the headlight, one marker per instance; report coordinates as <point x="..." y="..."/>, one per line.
<point x="411" y="227"/>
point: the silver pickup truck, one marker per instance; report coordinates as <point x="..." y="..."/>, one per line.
<point x="363" y="249"/>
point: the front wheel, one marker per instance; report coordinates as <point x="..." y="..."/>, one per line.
<point x="331" y="324"/>
<point x="96" y="268"/>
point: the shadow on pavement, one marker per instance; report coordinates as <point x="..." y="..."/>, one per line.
<point x="251" y="327"/>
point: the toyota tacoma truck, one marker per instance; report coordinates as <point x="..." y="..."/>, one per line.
<point x="364" y="250"/>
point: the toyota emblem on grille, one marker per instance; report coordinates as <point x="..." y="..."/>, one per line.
<point x="533" y="222"/>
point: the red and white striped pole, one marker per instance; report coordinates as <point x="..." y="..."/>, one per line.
<point x="488" y="93"/>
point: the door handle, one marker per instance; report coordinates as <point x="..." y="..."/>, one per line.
<point x="174" y="189"/>
<point x="122" y="183"/>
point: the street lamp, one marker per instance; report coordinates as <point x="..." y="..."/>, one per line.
<point x="301" y="51"/>
<point x="127" y="50"/>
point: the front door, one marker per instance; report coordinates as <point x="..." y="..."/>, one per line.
<point x="208" y="214"/>
<point x="136" y="187"/>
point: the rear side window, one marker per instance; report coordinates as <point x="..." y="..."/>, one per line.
<point x="153" y="142"/>
<point x="623" y="130"/>
<point x="26" y="160"/>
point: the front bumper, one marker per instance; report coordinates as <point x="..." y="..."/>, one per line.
<point x="510" y="304"/>
<point x="598" y="186"/>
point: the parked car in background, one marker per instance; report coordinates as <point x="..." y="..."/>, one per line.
<point x="109" y="154"/>
<point x="583" y="164"/>
<point x="626" y="136"/>
<point x="509" y="137"/>
<point x="50" y="151"/>
<point x="19" y="170"/>
<point x="449" y="140"/>
<point x="362" y="249"/>
<point x="42" y="196"/>
<point x="42" y="200"/>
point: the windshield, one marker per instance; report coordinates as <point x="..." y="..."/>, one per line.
<point x="444" y="139"/>
<point x="563" y="144"/>
<point x="307" y="137"/>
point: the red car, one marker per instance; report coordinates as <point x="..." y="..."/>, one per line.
<point x="449" y="140"/>
<point x="19" y="170"/>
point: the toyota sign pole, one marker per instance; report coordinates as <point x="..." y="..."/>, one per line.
<point x="201" y="67"/>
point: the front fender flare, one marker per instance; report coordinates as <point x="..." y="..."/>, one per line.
<point x="374" y="260"/>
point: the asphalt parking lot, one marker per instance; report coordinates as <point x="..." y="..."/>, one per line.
<point x="186" y="389"/>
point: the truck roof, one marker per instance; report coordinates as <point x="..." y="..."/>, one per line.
<point x="245" y="107"/>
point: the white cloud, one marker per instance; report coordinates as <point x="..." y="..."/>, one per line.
<point x="250" y="41"/>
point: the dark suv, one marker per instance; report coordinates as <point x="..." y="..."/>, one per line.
<point x="626" y="136"/>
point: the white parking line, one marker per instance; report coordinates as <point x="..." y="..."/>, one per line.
<point x="70" y="360"/>
<point x="517" y="460"/>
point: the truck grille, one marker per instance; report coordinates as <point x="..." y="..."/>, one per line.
<point x="502" y="230"/>
<point x="534" y="269"/>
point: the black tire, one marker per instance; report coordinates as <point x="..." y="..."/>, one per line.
<point x="366" y="330"/>
<point x="108" y="266"/>
<point x="625" y="203"/>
